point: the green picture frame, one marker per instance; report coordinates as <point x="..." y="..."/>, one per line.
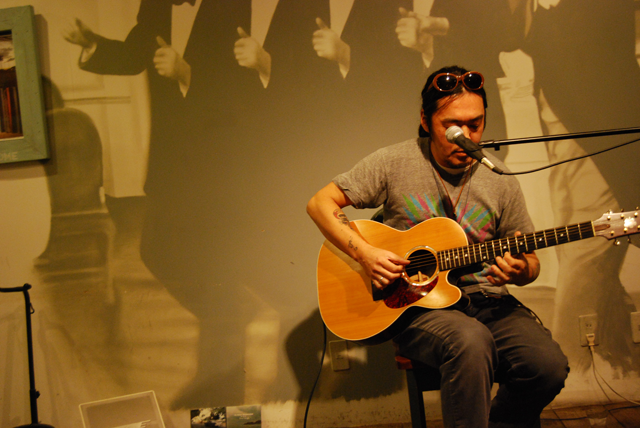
<point x="30" y="143"/>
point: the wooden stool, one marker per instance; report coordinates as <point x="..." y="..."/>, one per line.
<point x="420" y="378"/>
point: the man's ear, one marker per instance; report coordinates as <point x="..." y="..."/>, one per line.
<point x="423" y="122"/>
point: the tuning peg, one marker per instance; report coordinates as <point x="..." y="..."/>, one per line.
<point x="616" y="242"/>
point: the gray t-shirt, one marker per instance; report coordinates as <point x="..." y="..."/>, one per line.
<point x="402" y="178"/>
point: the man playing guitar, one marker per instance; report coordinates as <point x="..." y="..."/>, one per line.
<point x="488" y="331"/>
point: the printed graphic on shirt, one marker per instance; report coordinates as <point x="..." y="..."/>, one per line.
<point x="475" y="220"/>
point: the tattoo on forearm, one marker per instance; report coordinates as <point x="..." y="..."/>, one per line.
<point x="351" y="244"/>
<point x="342" y="217"/>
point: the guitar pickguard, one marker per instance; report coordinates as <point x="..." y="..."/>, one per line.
<point x="400" y="294"/>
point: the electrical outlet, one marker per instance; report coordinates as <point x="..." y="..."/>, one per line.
<point x="635" y="326"/>
<point x="588" y="325"/>
<point x="339" y="355"/>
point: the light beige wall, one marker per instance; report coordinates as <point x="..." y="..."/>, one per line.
<point x="106" y="326"/>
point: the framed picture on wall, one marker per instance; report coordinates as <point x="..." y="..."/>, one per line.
<point x="23" y="130"/>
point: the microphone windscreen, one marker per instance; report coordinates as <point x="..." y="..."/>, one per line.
<point x="452" y="133"/>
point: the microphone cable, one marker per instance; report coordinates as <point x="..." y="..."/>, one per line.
<point x="572" y="159"/>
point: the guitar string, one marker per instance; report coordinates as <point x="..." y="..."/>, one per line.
<point x="573" y="232"/>
<point x="553" y="236"/>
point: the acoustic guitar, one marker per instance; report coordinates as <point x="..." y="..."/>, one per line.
<point x="353" y="309"/>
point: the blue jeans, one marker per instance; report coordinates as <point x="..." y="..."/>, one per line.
<point x="489" y="338"/>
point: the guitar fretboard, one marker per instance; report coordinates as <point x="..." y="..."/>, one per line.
<point x="486" y="251"/>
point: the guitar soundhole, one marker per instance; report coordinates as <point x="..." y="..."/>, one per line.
<point x="418" y="279"/>
<point x="422" y="268"/>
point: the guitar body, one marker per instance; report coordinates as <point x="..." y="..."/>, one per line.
<point x="354" y="310"/>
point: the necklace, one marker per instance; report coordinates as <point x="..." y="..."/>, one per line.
<point x="449" y="206"/>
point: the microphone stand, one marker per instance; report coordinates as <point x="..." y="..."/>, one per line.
<point x="33" y="393"/>
<point x="496" y="144"/>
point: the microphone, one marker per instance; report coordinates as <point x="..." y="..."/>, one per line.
<point x="455" y="134"/>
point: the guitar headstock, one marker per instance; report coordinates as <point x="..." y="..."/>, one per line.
<point x="614" y="225"/>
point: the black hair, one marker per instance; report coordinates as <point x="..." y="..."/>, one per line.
<point x="431" y="96"/>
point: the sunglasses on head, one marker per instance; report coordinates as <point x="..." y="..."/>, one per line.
<point x="447" y="82"/>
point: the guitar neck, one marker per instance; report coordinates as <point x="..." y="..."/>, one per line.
<point x="486" y="251"/>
